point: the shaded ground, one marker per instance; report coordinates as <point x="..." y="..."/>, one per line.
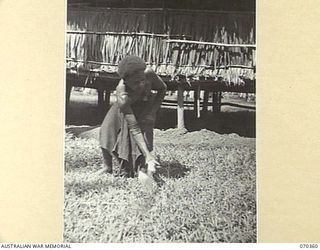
<point x="83" y="111"/>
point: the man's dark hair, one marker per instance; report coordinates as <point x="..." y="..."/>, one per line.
<point x="130" y="65"/>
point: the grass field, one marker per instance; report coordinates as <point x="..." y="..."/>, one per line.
<point x="210" y="180"/>
<point x="209" y="194"/>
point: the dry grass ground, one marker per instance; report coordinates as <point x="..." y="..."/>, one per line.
<point x="209" y="193"/>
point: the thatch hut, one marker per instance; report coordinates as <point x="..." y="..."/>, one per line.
<point x="192" y="45"/>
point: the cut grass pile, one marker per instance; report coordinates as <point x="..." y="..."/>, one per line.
<point x="209" y="195"/>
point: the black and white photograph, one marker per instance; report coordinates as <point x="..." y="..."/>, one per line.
<point x="160" y="121"/>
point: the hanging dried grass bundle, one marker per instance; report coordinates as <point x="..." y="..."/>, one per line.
<point x="137" y="34"/>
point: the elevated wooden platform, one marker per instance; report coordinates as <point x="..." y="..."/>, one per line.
<point x="105" y="84"/>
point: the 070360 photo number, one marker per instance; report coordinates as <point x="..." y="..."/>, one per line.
<point x="304" y="245"/>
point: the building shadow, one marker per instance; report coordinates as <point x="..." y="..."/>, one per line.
<point x="239" y="121"/>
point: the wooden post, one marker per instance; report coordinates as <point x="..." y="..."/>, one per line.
<point x="213" y="101"/>
<point x="219" y="101"/>
<point x="107" y="98"/>
<point x="100" y="100"/>
<point x="205" y="101"/>
<point x="196" y="104"/>
<point x="180" y="108"/>
<point x="68" y="93"/>
<point x="216" y="102"/>
<point x="100" y="97"/>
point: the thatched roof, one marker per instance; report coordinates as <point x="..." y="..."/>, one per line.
<point x="98" y="38"/>
<point x="217" y="5"/>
